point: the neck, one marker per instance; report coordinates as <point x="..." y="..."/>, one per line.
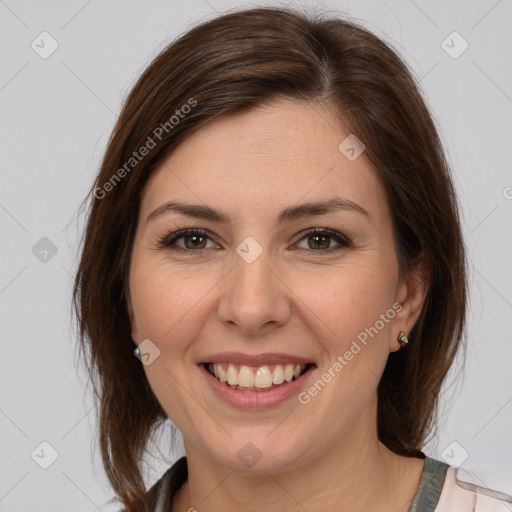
<point x="359" y="475"/>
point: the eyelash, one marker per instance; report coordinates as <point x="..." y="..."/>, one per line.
<point x="167" y="241"/>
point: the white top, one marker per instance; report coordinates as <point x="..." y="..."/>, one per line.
<point x="442" y="489"/>
<point x="460" y="494"/>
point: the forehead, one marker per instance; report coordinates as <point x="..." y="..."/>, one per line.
<point x="271" y="156"/>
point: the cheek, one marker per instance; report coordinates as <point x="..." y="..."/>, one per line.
<point x="352" y="309"/>
<point x="346" y="300"/>
<point x="167" y="306"/>
<point x="164" y="299"/>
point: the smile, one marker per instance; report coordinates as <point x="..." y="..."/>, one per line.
<point x="256" y="378"/>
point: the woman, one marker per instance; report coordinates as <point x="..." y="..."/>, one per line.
<point x="275" y="232"/>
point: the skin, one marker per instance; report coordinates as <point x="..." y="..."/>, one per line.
<point x="309" y="301"/>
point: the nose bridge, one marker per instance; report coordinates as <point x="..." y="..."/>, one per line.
<point x="253" y="275"/>
<point x="253" y="296"/>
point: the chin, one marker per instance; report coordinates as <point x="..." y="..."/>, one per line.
<point x="258" y="454"/>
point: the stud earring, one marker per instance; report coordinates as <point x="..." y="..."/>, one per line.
<point x="403" y="339"/>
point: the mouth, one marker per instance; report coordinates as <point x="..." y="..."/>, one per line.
<point x="256" y="378"/>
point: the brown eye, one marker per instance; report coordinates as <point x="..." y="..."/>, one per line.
<point x="193" y="240"/>
<point x="319" y="240"/>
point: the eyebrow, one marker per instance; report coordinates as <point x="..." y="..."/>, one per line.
<point x="200" y="211"/>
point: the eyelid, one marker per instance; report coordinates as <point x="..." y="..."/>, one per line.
<point x="341" y="239"/>
<point x="168" y="239"/>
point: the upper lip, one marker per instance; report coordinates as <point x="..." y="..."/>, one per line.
<point x="254" y="360"/>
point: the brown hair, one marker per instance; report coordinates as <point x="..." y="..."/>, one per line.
<point x="228" y="64"/>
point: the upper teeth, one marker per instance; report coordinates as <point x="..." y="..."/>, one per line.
<point x="261" y="377"/>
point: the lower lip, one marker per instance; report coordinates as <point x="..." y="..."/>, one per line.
<point x="255" y="399"/>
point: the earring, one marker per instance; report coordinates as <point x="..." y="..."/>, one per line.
<point x="403" y="339"/>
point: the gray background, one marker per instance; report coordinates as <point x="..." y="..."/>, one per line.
<point x="57" y="114"/>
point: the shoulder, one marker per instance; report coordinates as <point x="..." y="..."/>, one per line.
<point x="159" y="497"/>
<point x="168" y="485"/>
<point x="463" y="491"/>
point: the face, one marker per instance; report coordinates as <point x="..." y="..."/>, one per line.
<point x="287" y="286"/>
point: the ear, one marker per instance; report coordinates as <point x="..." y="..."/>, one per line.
<point x="411" y="292"/>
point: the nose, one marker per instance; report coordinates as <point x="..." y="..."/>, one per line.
<point x="254" y="299"/>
